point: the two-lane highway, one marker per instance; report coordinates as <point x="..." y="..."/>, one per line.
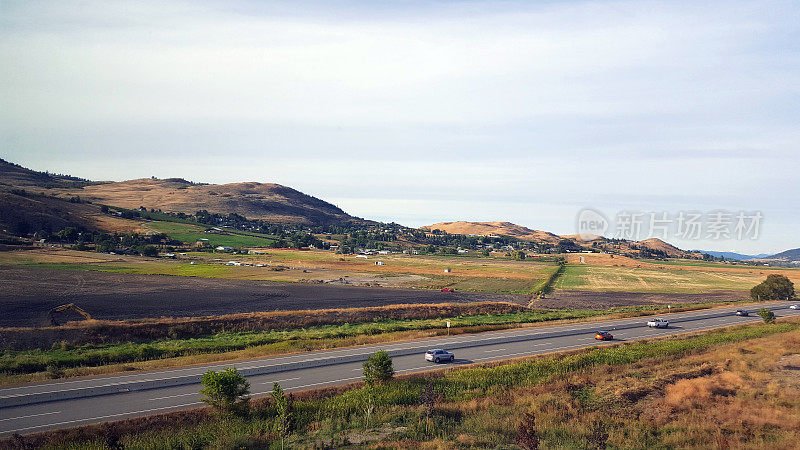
<point x="86" y="401"/>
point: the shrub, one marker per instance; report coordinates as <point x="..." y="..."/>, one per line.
<point x="378" y="368"/>
<point x="767" y="315"/>
<point x="527" y="437"/>
<point x="227" y="391"/>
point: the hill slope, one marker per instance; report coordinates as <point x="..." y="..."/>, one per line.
<point x="271" y="202"/>
<point x="788" y="255"/>
<point x="496" y="228"/>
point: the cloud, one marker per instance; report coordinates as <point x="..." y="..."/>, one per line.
<point x="616" y="102"/>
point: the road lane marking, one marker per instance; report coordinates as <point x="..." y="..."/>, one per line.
<point x="174" y="396"/>
<point x="496" y="350"/>
<point x="101" y="417"/>
<point x="30" y="415"/>
<point x="280" y="381"/>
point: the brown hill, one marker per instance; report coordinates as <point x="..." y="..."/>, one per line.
<point x="272" y="202"/>
<point x="494" y="228"/>
<point x="658" y="244"/>
<point x="267" y="201"/>
<point x="23" y="212"/>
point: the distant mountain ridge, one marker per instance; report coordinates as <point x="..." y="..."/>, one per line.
<point x="267" y="201"/>
<point x="788" y="255"/>
<point x="733" y="255"/>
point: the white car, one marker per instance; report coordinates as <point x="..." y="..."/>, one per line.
<point x="658" y="323"/>
<point x="794" y="307"/>
<point x="438" y="355"/>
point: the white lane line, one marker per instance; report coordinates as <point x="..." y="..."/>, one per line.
<point x="173" y="396"/>
<point x="103" y="417"/>
<point x="30" y="415"/>
<point x="496" y="350"/>
<point x="280" y="381"/>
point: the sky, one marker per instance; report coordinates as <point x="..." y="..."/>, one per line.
<point x="422" y="112"/>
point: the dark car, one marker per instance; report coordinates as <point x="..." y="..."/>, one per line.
<point x="603" y="336"/>
<point x="741" y="312"/>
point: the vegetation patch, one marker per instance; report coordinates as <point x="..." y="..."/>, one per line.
<point x="697" y="397"/>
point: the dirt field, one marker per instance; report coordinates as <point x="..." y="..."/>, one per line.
<point x="602" y="300"/>
<point x="27" y="294"/>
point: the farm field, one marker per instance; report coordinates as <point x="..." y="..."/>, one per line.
<point x="663" y="280"/>
<point x="30" y="292"/>
<point x="189" y="233"/>
<point x="315" y="267"/>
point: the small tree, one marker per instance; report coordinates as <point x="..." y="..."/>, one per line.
<point x="227" y="391"/>
<point x="284" y="407"/>
<point x="369" y="407"/>
<point x="527" y="437"/>
<point x="428" y="398"/>
<point x="378" y="368"/>
<point x="767" y="315"/>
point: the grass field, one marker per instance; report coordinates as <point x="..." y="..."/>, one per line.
<point x="631" y="279"/>
<point x="190" y="234"/>
<point x="680" y="392"/>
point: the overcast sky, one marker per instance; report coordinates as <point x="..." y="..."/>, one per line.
<point x="421" y="112"/>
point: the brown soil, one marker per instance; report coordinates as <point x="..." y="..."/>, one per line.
<point x="27" y="294"/>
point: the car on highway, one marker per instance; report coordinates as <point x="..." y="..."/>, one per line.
<point x="438" y="355"/>
<point x="794" y="307"/>
<point x="604" y="336"/>
<point x="741" y="312"/>
<point x="658" y="323"/>
<point x="448" y="290"/>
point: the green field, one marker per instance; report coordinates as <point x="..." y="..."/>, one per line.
<point x="192" y="233"/>
<point x="630" y="279"/>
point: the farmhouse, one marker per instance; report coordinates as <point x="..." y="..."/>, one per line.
<point x="222" y="248"/>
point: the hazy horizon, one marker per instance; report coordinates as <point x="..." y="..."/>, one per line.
<point x="423" y="112"/>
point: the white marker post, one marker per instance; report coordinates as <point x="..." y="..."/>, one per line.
<point x="448" y="328"/>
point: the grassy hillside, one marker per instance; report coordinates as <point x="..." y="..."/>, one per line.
<point x="190" y="234"/>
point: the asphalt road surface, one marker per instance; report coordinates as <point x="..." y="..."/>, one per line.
<point x="69" y="413"/>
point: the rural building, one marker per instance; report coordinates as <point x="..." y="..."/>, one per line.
<point x="379" y="263"/>
<point x="222" y="248"/>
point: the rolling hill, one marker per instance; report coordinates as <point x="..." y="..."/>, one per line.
<point x="525" y="233"/>
<point x="267" y="201"/>
<point x="494" y="228"/>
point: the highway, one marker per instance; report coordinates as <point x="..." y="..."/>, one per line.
<point x="36" y="411"/>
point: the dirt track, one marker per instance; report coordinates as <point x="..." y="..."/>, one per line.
<point x="27" y="294"/>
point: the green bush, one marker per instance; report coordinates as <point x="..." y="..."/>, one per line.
<point x="227" y="391"/>
<point x="378" y="368"/>
<point x="767" y="315"/>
